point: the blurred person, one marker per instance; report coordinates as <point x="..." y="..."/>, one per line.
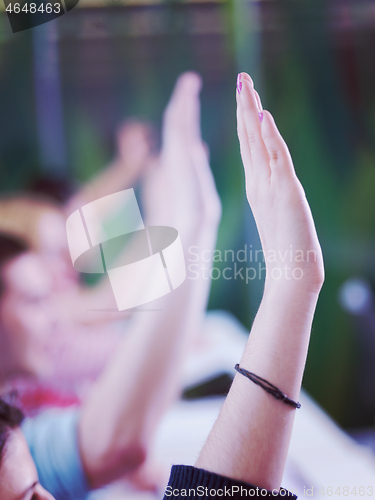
<point x="48" y="360"/>
<point x="42" y="291"/>
<point x="18" y="474"/>
<point x="80" y="342"/>
<point x="25" y="345"/>
<point x="123" y="397"/>
<point x="41" y="221"/>
<point x="248" y="443"/>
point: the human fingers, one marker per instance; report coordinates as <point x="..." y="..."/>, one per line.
<point x="183" y="108"/>
<point x="245" y="76"/>
<point x="133" y="130"/>
<point x="135" y="142"/>
<point x="250" y="136"/>
<point x="205" y="182"/>
<point x="244" y="147"/>
<point x="280" y="160"/>
<point x="190" y="94"/>
<point x="259" y="102"/>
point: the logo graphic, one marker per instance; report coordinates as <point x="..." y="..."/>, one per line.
<point x="108" y="236"/>
<point x="26" y="14"/>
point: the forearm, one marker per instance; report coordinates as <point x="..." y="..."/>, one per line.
<point x="280" y="335"/>
<point x="111" y="179"/>
<point x="250" y="439"/>
<point x="141" y="380"/>
<point x="119" y="418"/>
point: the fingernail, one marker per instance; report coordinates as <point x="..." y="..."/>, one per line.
<point x="260" y="116"/>
<point x="239" y="83"/>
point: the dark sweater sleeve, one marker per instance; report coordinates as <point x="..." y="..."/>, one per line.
<point x="187" y="482"/>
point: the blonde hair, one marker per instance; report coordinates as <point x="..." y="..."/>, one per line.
<point x="20" y="216"/>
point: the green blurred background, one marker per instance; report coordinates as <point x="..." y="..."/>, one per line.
<point x="66" y="85"/>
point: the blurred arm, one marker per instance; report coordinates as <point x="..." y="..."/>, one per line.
<point x="133" y="149"/>
<point x="134" y="141"/>
<point x="119" y="418"/>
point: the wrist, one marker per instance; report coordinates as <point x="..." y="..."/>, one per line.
<point x="304" y="279"/>
<point x="292" y="289"/>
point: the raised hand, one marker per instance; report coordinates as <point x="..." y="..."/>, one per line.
<point x="250" y="438"/>
<point x="135" y="140"/>
<point x="277" y="199"/>
<point x="179" y="189"/>
<point x="134" y="143"/>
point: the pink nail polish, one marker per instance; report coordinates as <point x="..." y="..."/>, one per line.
<point x="239" y="83"/>
<point x="260" y="116"/>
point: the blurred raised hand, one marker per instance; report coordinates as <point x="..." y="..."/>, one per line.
<point x="134" y="143"/>
<point x="179" y="188"/>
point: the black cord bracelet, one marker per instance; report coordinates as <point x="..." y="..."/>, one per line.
<point x="268" y="387"/>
